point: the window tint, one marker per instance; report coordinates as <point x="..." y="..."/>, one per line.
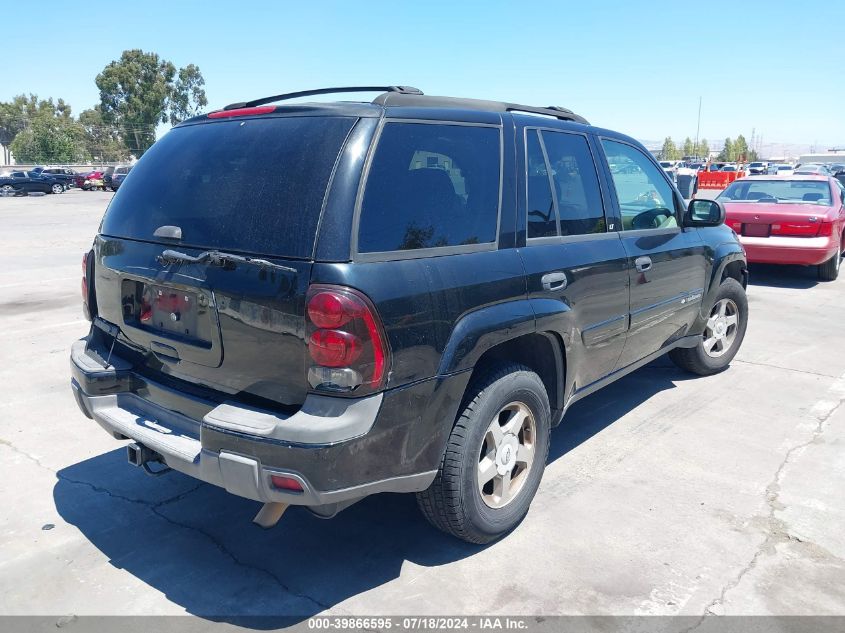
<point x="646" y="200"/>
<point x="542" y="218"/>
<point x="576" y="184"/>
<point x="254" y="185"/>
<point x="431" y="185"/>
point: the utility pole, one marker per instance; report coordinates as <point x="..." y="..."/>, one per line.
<point x="697" y="129"/>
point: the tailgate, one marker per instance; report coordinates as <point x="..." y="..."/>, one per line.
<point x="238" y="329"/>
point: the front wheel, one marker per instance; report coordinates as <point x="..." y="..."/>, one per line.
<point x="723" y="333"/>
<point x="829" y="270"/>
<point x="57" y="188"/>
<point x="494" y="459"/>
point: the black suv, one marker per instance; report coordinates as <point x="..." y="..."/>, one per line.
<point x="307" y="304"/>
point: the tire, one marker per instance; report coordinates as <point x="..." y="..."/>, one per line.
<point x="456" y="502"/>
<point x="708" y="358"/>
<point x="829" y="271"/>
<point x="57" y="188"/>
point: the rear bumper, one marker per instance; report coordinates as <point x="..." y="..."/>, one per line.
<point x="337" y="449"/>
<point x="806" y="251"/>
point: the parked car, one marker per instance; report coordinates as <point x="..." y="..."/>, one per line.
<point x="64" y="175"/>
<point x="20" y="182"/>
<point x="789" y="220"/>
<point x="119" y="174"/>
<point x="107" y="176"/>
<point x="784" y="170"/>
<point x="671" y="169"/>
<point x="404" y="305"/>
<point x="757" y="168"/>
<point x="812" y="169"/>
<point x="92" y="180"/>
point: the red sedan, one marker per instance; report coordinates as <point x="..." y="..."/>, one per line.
<point x="91" y="175"/>
<point x="789" y="220"/>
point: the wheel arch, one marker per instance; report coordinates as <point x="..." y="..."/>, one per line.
<point x="507" y="332"/>
<point x="542" y="352"/>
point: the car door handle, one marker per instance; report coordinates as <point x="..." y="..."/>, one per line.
<point x="643" y="264"/>
<point x="554" y="281"/>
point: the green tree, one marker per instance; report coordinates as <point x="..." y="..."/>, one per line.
<point x="669" y="151"/>
<point x="102" y="140"/>
<point x="740" y="148"/>
<point x="188" y="96"/>
<point x="727" y="153"/>
<point x="50" y="140"/>
<point x="21" y="111"/>
<point x="703" y="149"/>
<point x="689" y="147"/>
<point x="141" y="90"/>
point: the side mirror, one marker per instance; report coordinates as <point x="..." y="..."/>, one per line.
<point x="704" y="213"/>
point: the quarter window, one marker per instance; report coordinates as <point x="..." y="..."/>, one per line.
<point x="430" y="186"/>
<point x="646" y="199"/>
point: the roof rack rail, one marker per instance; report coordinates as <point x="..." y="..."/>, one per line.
<point x="405" y="90"/>
<point x="409" y="99"/>
<point x="553" y="111"/>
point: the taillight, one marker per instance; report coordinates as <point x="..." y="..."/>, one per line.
<point x="796" y="229"/>
<point x="736" y="225"/>
<point x="825" y="229"/>
<point x="345" y="341"/>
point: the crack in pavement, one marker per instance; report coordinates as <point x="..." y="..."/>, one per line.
<point x="155" y="508"/>
<point x="776" y="529"/>
<point x="790" y="369"/>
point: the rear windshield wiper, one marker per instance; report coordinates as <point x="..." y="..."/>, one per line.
<point x="218" y="258"/>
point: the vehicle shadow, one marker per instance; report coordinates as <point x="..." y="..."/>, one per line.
<point x="196" y="544"/>
<point x="779" y="276"/>
<point x="594" y="413"/>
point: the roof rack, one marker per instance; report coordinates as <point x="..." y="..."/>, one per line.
<point x="410" y="99"/>
<point x="405" y="90"/>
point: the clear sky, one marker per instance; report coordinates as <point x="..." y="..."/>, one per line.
<point x="638" y="67"/>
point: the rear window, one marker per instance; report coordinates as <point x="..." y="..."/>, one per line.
<point x="252" y="185"/>
<point x="429" y="186"/>
<point x="781" y="191"/>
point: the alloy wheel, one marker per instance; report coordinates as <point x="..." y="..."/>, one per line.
<point x="721" y="328"/>
<point x="507" y="453"/>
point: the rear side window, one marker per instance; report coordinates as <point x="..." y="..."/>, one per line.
<point x="430" y="186"/>
<point x="576" y="183"/>
<point x="564" y="197"/>
<point x="253" y="185"/>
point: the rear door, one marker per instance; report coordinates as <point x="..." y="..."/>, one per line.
<point x="242" y="198"/>
<point x="666" y="263"/>
<point x="576" y="268"/>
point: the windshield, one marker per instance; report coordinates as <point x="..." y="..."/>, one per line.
<point x="665" y="164"/>
<point x="782" y="191"/>
<point x="249" y="185"/>
<point x="756" y="165"/>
